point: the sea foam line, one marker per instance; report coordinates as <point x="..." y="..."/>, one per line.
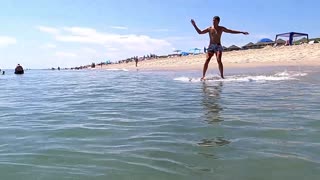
<point x="281" y="76"/>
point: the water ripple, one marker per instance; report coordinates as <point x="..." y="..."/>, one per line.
<point x="146" y="125"/>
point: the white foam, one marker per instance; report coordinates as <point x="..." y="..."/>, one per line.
<point x="259" y="78"/>
<point x="281" y="76"/>
<point x="186" y="79"/>
<point x="299" y="74"/>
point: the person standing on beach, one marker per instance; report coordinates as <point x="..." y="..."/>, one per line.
<point x="136" y="59"/>
<point x="215" y="46"/>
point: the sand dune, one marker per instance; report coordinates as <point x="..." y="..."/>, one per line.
<point x="302" y="55"/>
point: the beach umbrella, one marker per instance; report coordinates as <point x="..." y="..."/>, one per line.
<point x="264" y="41"/>
<point x="301" y="40"/>
<point x="195" y="50"/>
<point x="225" y="48"/>
<point x="280" y="41"/>
<point x="233" y="47"/>
<point x="177" y="52"/>
<point x="247" y="46"/>
<point x="184" y="53"/>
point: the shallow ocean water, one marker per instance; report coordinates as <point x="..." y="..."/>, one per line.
<point x="119" y="124"/>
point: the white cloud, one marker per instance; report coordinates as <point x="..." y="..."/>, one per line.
<point x="6" y="41"/>
<point x="49" y="30"/>
<point x="89" y="50"/>
<point x="50" y="46"/>
<point x="80" y="30"/>
<point x="110" y="45"/>
<point x="119" y="27"/>
<point x="61" y="54"/>
<point x="112" y="49"/>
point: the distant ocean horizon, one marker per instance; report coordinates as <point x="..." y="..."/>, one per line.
<point x="258" y="123"/>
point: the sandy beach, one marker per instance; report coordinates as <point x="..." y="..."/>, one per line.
<point x="297" y="55"/>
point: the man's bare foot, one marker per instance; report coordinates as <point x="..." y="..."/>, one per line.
<point x="203" y="79"/>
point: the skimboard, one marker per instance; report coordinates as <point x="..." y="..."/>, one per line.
<point x="214" y="78"/>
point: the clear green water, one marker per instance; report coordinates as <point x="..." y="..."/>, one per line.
<point x="158" y="125"/>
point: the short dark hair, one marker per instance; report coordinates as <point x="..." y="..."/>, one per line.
<point x="217" y="18"/>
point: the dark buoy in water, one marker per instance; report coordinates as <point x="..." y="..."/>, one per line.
<point x="19" y="69"/>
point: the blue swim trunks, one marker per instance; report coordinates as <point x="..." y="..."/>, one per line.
<point x="213" y="48"/>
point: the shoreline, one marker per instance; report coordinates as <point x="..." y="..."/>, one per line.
<point x="293" y="56"/>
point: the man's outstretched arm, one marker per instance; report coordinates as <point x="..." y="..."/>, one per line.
<point x="197" y="29"/>
<point x="233" y="31"/>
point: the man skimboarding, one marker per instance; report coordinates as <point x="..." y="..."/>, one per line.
<point x="215" y="46"/>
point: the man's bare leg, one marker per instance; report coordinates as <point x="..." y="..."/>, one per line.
<point x="219" y="57"/>
<point x="205" y="66"/>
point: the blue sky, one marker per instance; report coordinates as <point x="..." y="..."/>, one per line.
<point x="68" y="33"/>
